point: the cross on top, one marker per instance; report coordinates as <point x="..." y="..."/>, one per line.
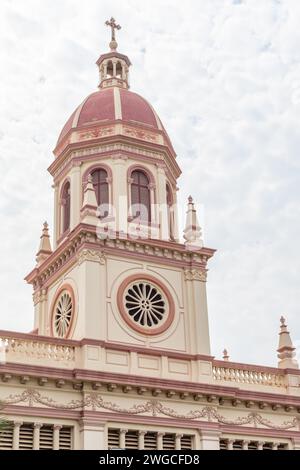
<point x="112" y="24"/>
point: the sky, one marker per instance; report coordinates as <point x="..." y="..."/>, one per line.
<point x="224" y="77"/>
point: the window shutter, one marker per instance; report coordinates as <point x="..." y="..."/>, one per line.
<point x="65" y="438"/>
<point x="26" y="437"/>
<point x="169" y="441"/>
<point x="113" y="439"/>
<point x="46" y="437"/>
<point x="187" y="442"/>
<point x="6" y="437"/>
<point x="132" y="440"/>
<point x="150" y="442"/>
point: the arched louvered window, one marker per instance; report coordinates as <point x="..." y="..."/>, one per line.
<point x="100" y="183"/>
<point x="140" y="196"/>
<point x="66" y="207"/>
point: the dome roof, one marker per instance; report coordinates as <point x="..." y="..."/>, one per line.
<point x="111" y="104"/>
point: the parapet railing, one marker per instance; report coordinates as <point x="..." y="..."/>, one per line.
<point x="247" y="374"/>
<point x="35" y="347"/>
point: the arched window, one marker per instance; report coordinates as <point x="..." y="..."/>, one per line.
<point x="100" y="184"/>
<point x="110" y="69"/>
<point x="66" y="207"/>
<point x="170" y="212"/>
<point x="140" y="196"/>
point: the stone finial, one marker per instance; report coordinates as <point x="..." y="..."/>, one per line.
<point x="192" y="231"/>
<point x="286" y="351"/>
<point x="225" y="355"/>
<point x="89" y="206"/>
<point x="45" y="249"/>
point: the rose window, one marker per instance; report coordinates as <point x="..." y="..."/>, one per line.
<point x="145" y="304"/>
<point x="63" y="314"/>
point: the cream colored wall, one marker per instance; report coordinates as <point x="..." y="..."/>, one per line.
<point x="95" y="284"/>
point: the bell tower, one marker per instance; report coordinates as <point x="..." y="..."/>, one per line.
<point x="118" y="274"/>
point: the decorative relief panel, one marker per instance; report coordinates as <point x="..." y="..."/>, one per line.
<point x="96" y="402"/>
<point x="195" y="275"/>
<point x="91" y="255"/>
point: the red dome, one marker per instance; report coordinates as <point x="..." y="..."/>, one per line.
<point x="111" y="104"/>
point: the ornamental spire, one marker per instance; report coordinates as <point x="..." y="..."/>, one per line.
<point x="45" y="249"/>
<point x="192" y="231"/>
<point x="112" y="24"/>
<point x="286" y="350"/>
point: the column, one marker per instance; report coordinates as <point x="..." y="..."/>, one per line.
<point x="275" y="446"/>
<point x="162" y="202"/>
<point x="245" y="445"/>
<point x="56" y="217"/>
<point x="260" y="445"/>
<point x="16" y="434"/>
<point x="36" y="436"/>
<point x="76" y="196"/>
<point x="121" y="194"/>
<point x="142" y="439"/>
<point x="92" y="434"/>
<point x="230" y="444"/>
<point x="210" y="439"/>
<point x="160" y="443"/>
<point x="114" y="68"/>
<point x="123" y="433"/>
<point x="56" y="429"/>
<point x="178" y="441"/>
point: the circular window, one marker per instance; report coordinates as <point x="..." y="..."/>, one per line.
<point x="63" y="313"/>
<point x="145" y="304"/>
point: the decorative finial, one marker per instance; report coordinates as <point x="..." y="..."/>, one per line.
<point x="192" y="231"/>
<point x="45" y="249"/>
<point x="286" y="350"/>
<point x="225" y="355"/>
<point x="112" y="24"/>
<point x="282" y="320"/>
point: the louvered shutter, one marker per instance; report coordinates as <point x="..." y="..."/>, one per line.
<point x="150" y="441"/>
<point x="65" y="438"/>
<point x="26" y="437"/>
<point x="169" y="441"/>
<point x="113" y="439"/>
<point x="132" y="440"/>
<point x="46" y="437"/>
<point x="6" y="437"/>
<point x="187" y="442"/>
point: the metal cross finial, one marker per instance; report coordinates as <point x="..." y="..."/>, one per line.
<point x="112" y="24"/>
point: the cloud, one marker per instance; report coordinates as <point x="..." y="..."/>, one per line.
<point x="224" y="77"/>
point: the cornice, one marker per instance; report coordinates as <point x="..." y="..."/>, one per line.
<point x="85" y="237"/>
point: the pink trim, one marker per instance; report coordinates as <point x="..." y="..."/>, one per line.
<point x="69" y="289"/>
<point x="125" y="316"/>
<point x="42" y="412"/>
<point x="30" y="278"/>
<point x="96" y="166"/>
<point x="137" y="167"/>
<point x="229" y="392"/>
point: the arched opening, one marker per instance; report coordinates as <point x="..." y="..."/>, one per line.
<point x="170" y="212"/>
<point x="119" y="70"/>
<point x="100" y="183"/>
<point x="110" y="69"/>
<point x="140" y="196"/>
<point x="66" y="207"/>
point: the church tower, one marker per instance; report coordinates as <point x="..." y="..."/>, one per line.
<point x="118" y="273"/>
<point x="120" y="352"/>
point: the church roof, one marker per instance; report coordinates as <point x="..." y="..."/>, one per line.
<point x="111" y="104"/>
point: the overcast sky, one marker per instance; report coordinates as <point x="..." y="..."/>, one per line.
<point x="224" y="76"/>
